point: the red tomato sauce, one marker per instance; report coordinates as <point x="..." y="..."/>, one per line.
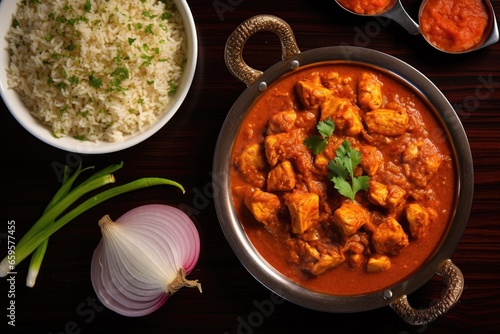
<point x="366" y="7"/>
<point x="454" y="25"/>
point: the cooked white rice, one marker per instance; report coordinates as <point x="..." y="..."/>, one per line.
<point x="96" y="69"/>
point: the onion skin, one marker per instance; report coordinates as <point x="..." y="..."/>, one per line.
<point x="143" y="258"/>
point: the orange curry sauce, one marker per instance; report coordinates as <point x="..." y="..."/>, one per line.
<point x="416" y="158"/>
<point x="454" y="25"/>
<point x="366" y="7"/>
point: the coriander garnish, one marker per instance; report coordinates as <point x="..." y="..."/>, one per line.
<point x="318" y="143"/>
<point x="342" y="169"/>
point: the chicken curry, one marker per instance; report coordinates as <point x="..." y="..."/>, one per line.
<point x="297" y="217"/>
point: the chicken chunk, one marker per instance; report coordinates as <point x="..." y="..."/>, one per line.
<point x="389" y="238"/>
<point x="321" y="161"/>
<point x="378" y="263"/>
<point x="387" y="122"/>
<point x="320" y="257"/>
<point x="344" y="114"/>
<point x="371" y="159"/>
<point x="281" y="177"/>
<point x="330" y="79"/>
<point x="355" y="260"/>
<point x="350" y="217"/>
<point x="396" y="195"/>
<point x="283" y="146"/>
<point x="422" y="160"/>
<point x="282" y="122"/>
<point x="377" y="193"/>
<point x="263" y="205"/>
<point x="385" y="196"/>
<point x="311" y="93"/>
<point x="304" y="210"/>
<point x="370" y="92"/>
<point x="418" y="220"/>
<point x="251" y="164"/>
<point x="339" y="85"/>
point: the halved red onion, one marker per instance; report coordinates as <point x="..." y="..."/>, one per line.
<point x="143" y="258"/>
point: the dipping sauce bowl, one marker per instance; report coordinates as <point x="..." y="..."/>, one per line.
<point x="395" y="11"/>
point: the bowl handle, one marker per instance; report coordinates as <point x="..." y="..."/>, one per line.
<point x="454" y="281"/>
<point x="233" y="53"/>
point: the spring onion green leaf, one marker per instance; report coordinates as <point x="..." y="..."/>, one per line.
<point x="53" y="212"/>
<point x="61" y="202"/>
<point x="39" y="253"/>
<point x="35" y="240"/>
<point x="38" y="238"/>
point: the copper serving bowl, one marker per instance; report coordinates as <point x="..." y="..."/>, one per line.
<point x="292" y="59"/>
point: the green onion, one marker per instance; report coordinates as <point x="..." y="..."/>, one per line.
<point x="24" y="250"/>
<point x="166" y="16"/>
<point x="39" y="253"/>
<point x="149" y="29"/>
<point x="59" y="207"/>
<point x="80" y="138"/>
<point x="61" y="19"/>
<point x="67" y="198"/>
<point x="172" y="88"/>
<point x="35" y="241"/>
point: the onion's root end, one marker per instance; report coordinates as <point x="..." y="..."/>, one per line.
<point x="106" y="220"/>
<point x="181" y="281"/>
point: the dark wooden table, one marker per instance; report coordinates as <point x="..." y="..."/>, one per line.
<point x="63" y="300"/>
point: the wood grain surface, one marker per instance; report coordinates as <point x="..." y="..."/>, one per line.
<point x="232" y="301"/>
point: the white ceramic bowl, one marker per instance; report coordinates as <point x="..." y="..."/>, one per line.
<point x="42" y="132"/>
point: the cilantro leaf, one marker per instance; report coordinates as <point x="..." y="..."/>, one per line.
<point x="326" y="128"/>
<point x="343" y="187"/>
<point x="360" y="183"/>
<point x="342" y="168"/>
<point x="318" y="143"/>
<point x="337" y="168"/>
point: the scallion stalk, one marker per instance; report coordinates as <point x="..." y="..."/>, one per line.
<point x="42" y="234"/>
<point x="39" y="253"/>
<point x="56" y="210"/>
<point x="36" y="263"/>
<point x="51" y="215"/>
